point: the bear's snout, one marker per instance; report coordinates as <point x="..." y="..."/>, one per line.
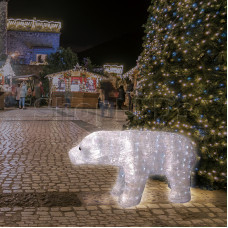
<point x="75" y="156"/>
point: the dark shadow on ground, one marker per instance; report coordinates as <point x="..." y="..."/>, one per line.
<point x="47" y="199"/>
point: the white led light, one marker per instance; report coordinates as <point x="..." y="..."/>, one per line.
<point x="139" y="154"/>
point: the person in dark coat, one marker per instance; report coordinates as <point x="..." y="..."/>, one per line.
<point x="107" y="101"/>
<point x="121" y="97"/>
<point x="39" y="92"/>
<point x="130" y="88"/>
<point x="17" y="93"/>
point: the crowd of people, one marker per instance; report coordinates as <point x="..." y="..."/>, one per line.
<point x="22" y="92"/>
<point x="110" y="98"/>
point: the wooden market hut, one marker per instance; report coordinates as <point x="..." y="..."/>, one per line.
<point x="79" y="86"/>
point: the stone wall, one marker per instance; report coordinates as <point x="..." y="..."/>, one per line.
<point x="27" y="45"/>
<point x="3" y="27"/>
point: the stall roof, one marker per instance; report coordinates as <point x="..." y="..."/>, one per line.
<point x="130" y="72"/>
<point x="71" y="71"/>
<point x="24" y="76"/>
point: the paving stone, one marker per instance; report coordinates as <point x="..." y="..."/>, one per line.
<point x="184" y="223"/>
<point x="41" y="212"/>
<point x="163" y="217"/>
<point x="69" y="214"/>
<point x="172" y="223"/>
<point x="198" y="205"/>
<point x="188" y="205"/>
<point x="194" y="210"/>
<point x="158" y="212"/>
<point x="208" y="221"/>
<point x="209" y="205"/>
<point x="212" y="215"/>
<point x="218" y="220"/>
<point x="222" y="215"/>
<point x="215" y="209"/>
<point x="82" y="212"/>
<point x="4" y="209"/>
<point x="55" y="214"/>
<point x="153" y="206"/>
<point x="170" y="211"/>
<point x="91" y="208"/>
<point x="145" y="214"/>
<point x="66" y="209"/>
<point x="204" y="209"/>
<point x="165" y="206"/>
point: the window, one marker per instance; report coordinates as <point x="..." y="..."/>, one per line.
<point x="41" y="58"/>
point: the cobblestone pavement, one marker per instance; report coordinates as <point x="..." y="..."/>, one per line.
<point x="34" y="164"/>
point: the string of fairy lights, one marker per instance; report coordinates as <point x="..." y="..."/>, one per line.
<point x="33" y="24"/>
<point x="184" y="58"/>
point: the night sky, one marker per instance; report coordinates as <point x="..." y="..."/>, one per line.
<point x="105" y="31"/>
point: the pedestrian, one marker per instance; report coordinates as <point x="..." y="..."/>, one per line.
<point x="38" y="93"/>
<point x="130" y="88"/>
<point x="17" y="93"/>
<point x="23" y="93"/>
<point x="121" y="97"/>
<point x="67" y="95"/>
<point x="42" y="89"/>
<point x="107" y="101"/>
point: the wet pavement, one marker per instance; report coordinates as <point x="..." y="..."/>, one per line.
<point x="40" y="187"/>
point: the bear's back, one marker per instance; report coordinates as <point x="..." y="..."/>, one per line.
<point x="144" y="137"/>
<point x="146" y="142"/>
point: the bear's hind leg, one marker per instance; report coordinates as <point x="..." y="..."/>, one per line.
<point x="118" y="188"/>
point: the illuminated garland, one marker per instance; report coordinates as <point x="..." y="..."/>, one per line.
<point x="33" y="25"/>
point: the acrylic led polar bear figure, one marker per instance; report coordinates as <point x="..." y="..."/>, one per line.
<point x="139" y="154"/>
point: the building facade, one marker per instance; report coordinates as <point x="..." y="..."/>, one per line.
<point x="27" y="41"/>
<point x="3" y="27"/>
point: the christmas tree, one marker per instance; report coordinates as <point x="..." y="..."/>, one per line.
<point x="182" y="83"/>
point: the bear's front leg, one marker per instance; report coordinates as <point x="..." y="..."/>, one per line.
<point x="180" y="187"/>
<point x="133" y="189"/>
<point x="119" y="185"/>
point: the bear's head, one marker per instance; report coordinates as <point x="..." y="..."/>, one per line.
<point x="89" y="151"/>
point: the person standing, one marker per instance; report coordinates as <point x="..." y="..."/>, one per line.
<point x="107" y="101"/>
<point x="38" y="94"/>
<point x="23" y="93"/>
<point x="121" y="97"/>
<point x="42" y="89"/>
<point x="130" y="88"/>
<point x="17" y="93"/>
<point x="67" y="96"/>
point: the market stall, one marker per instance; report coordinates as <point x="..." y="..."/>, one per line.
<point x="9" y="82"/>
<point x="78" y="87"/>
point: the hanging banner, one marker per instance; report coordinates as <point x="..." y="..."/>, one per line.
<point x="76" y="84"/>
<point x="58" y="83"/>
<point x="83" y="84"/>
<point x="91" y="84"/>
